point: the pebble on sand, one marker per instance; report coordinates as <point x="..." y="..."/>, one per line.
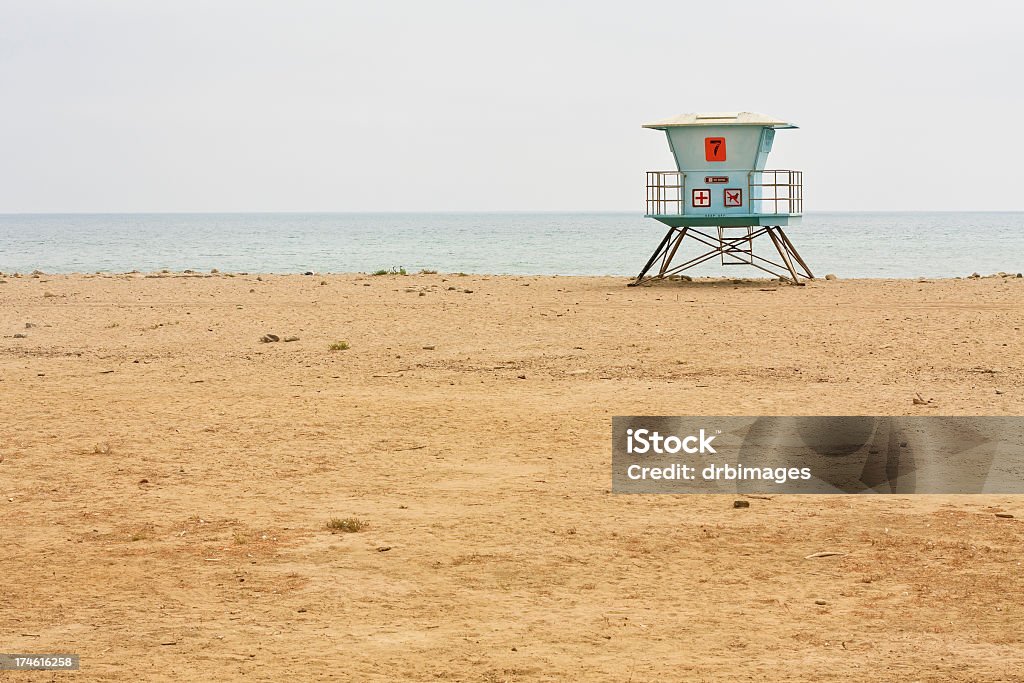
<point x="831" y="276"/>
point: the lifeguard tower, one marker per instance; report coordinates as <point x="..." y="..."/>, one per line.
<point x="722" y="197"/>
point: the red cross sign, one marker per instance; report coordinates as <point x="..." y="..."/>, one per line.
<point x="701" y="198"/>
<point x="733" y="197"/>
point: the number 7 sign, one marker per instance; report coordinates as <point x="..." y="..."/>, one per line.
<point x="714" y="149"/>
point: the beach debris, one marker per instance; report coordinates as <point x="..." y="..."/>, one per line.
<point x="1004" y="515"/>
<point x="269" y="338"/>
<point x="383" y="548"/>
<point x="824" y="553"/>
<point x="423" y="293"/>
<point x="820" y="602"/>
<point x="521" y="376"/>
<point x="29" y="326"/>
<point x="974" y="276"/>
<point x="20" y="335"/>
<point x="214" y="271"/>
<point x="339" y="346"/>
<point x="831" y="276"/>
<point x="429" y="347"/>
<point x="308" y="272"/>
<point x="921" y="401"/>
<point x="741" y="503"/>
<point x="291" y="338"/>
<point x="999" y="392"/>
<point x="1020" y="274"/>
<point x="467" y="291"/>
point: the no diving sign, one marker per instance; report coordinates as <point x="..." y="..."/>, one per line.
<point x="733" y="197"/>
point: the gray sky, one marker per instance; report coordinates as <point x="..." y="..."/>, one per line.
<point x="241" y="105"/>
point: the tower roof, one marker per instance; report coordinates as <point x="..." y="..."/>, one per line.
<point x="720" y="118"/>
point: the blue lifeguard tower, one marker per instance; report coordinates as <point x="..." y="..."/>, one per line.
<point x="722" y="197"/>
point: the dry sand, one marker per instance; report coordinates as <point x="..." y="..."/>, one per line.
<point x="167" y="480"/>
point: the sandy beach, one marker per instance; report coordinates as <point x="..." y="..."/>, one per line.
<point x="168" y="479"/>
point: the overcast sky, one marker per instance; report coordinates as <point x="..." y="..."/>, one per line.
<point x="241" y="105"/>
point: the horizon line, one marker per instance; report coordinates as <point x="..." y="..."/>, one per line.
<point x="454" y="212"/>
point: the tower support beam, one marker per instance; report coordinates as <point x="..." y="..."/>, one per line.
<point x="732" y="251"/>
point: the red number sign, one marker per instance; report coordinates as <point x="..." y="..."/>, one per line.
<point x="714" y="149"/>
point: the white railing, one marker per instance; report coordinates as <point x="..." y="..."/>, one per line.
<point x="665" y="193"/>
<point x="773" y="192"/>
<point x="776" y="192"/>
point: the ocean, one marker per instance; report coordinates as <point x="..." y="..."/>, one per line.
<point x="847" y="244"/>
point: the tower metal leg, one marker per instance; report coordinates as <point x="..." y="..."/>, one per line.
<point x="654" y="257"/>
<point x="795" y="254"/>
<point x="671" y="254"/>
<point x="777" y="241"/>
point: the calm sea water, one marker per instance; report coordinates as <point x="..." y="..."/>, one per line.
<point x="848" y="244"/>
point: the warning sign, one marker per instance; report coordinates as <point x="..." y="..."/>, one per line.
<point x="702" y="198"/>
<point x="714" y="149"/>
<point x="733" y="197"/>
